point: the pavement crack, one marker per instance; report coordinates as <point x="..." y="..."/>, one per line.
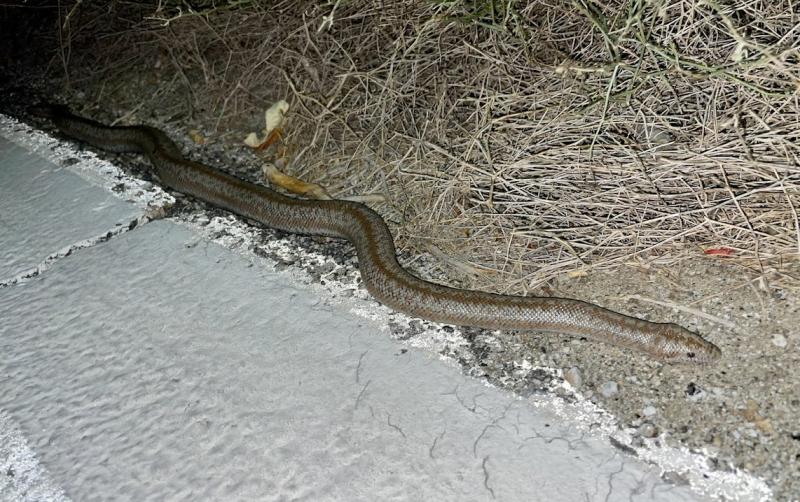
<point x="51" y="259"/>
<point x="494" y="423"/>
<point x="395" y="426"/>
<point x="435" y="440"/>
<point x="361" y="393"/>
<point x="486" y="476"/>
<point x="610" y="480"/>
<point x="358" y="368"/>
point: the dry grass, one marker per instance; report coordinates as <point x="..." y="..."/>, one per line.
<point x="516" y="140"/>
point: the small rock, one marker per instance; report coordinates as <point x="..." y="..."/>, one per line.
<point x="649" y="410"/>
<point x="765" y="426"/>
<point x="694" y="393"/>
<point x="648" y="430"/>
<point x="616" y="443"/>
<point x="574" y="377"/>
<point x="779" y="294"/>
<point x="675" y="478"/>
<point x="609" y="389"/>
<point x="751" y="413"/>
<point x="779" y="340"/>
<point x="416" y="326"/>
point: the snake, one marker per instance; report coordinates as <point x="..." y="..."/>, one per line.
<point x="381" y="272"/>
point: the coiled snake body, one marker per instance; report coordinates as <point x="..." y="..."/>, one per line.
<point x="383" y="276"/>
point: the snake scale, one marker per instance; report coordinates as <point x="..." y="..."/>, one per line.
<point x="382" y="274"/>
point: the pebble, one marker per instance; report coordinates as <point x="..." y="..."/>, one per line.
<point x="649" y="411"/>
<point x="648" y="430"/>
<point x="609" y="389"/>
<point x="714" y="439"/>
<point x="779" y="340"/>
<point x="695" y="393"/>
<point x="416" y="326"/>
<point x="675" y="478"/>
<point x="574" y="377"/>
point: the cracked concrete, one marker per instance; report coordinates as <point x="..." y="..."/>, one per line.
<point x="25" y="275"/>
<point x="157" y="363"/>
<point x="60" y="200"/>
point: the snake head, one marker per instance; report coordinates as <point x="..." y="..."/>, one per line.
<point x="679" y="345"/>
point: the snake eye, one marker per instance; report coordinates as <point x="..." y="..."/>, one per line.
<point x="690" y="355"/>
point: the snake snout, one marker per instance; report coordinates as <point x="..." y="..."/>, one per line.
<point x="684" y="346"/>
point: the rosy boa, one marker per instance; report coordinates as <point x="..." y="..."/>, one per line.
<point x="383" y="276"/>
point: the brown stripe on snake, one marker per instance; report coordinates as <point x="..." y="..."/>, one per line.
<point x="383" y="276"/>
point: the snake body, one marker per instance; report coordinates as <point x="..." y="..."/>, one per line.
<point x="382" y="274"/>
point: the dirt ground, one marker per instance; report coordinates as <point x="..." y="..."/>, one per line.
<point x="742" y="412"/>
